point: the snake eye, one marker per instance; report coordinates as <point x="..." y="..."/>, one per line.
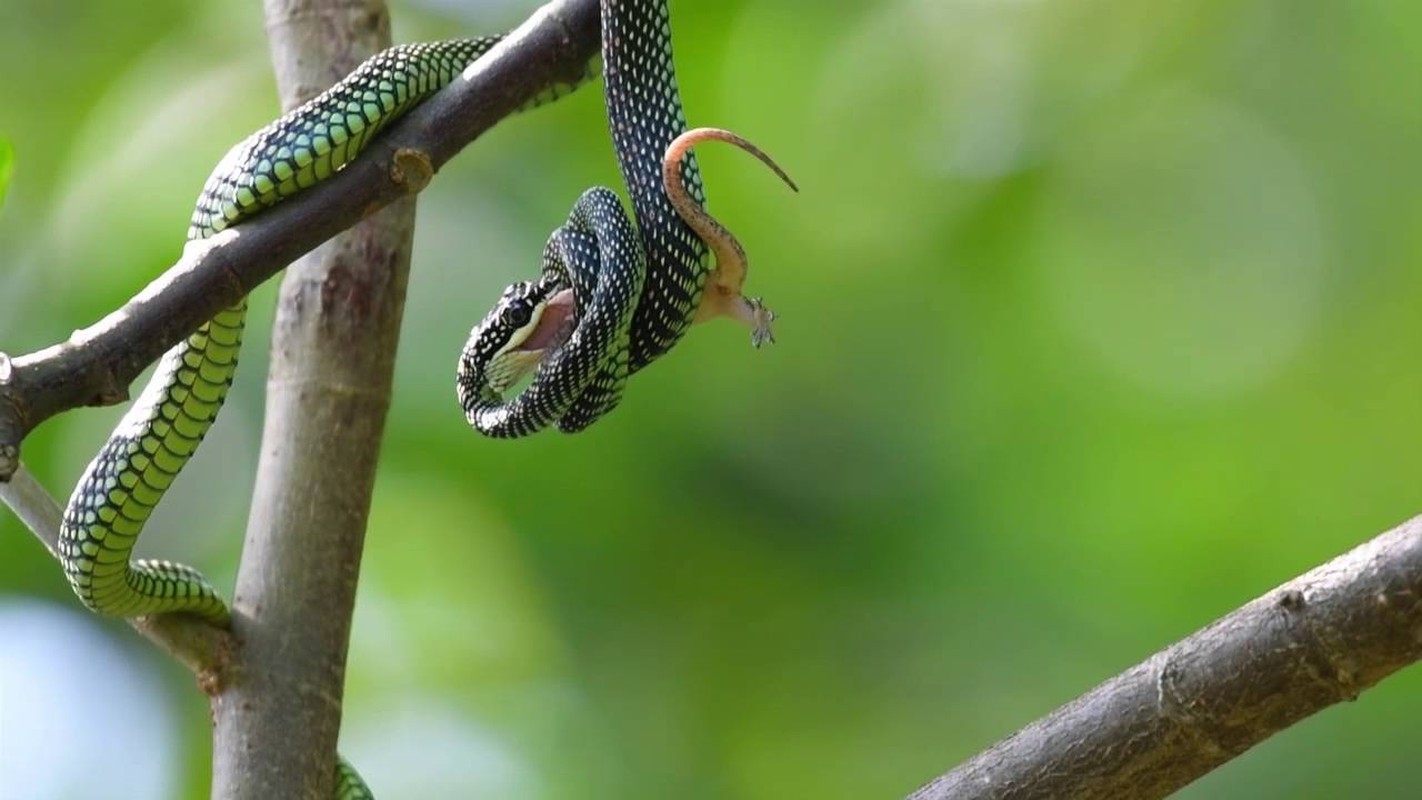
<point x="516" y="314"/>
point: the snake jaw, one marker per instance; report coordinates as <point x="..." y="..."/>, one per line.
<point x="529" y="319"/>
<point x="553" y="326"/>
<point x="494" y="357"/>
<point x="547" y="330"/>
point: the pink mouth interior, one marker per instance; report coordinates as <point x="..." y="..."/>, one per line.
<point x="555" y="325"/>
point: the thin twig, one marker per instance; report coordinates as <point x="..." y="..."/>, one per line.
<point x="199" y="646"/>
<point x="1319" y="639"/>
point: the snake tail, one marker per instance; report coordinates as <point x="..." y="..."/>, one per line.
<point x="348" y="783"/>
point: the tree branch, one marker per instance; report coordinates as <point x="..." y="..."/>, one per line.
<point x="1319" y="639"/>
<point x="333" y="355"/>
<point x="96" y="365"/>
<point x="332" y="365"/>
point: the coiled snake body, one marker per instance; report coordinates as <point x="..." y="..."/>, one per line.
<point x="635" y="292"/>
<point x="582" y="380"/>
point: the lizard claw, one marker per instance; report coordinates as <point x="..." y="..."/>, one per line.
<point x="761" y="317"/>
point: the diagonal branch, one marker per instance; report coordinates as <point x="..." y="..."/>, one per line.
<point x="1319" y="639"/>
<point x="96" y="365"/>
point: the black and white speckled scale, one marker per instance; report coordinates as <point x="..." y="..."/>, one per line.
<point x="597" y="255"/>
<point x="644" y="114"/>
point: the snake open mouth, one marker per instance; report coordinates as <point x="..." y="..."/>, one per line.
<point x="555" y="325"/>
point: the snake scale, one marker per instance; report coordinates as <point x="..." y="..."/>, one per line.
<point x="633" y="294"/>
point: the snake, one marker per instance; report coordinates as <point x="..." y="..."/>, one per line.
<point x="647" y="308"/>
<point x="581" y="368"/>
<point x="160" y="432"/>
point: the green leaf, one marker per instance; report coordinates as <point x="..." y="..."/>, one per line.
<point x="7" y="161"/>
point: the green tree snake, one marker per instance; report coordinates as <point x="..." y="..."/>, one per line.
<point x="621" y="296"/>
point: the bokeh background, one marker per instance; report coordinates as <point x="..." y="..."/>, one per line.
<point x="1099" y="318"/>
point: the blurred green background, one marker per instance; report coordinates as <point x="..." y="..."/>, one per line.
<point x="1099" y="319"/>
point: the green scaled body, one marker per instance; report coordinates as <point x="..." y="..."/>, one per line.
<point x="158" y="435"/>
<point x="315" y="140"/>
<point x="122" y="485"/>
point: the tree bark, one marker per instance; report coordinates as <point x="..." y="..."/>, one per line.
<point x="1319" y="639"/>
<point x="332" y="360"/>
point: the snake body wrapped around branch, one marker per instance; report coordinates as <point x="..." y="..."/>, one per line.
<point x="160" y="432"/>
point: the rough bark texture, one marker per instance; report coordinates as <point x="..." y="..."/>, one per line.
<point x="97" y="364"/>
<point x="333" y="355"/>
<point x="1317" y="640"/>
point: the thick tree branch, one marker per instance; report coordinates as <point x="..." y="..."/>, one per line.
<point x="96" y="365"/>
<point x="1317" y="640"/>
<point x="328" y="390"/>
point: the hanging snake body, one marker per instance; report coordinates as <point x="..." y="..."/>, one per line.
<point x="627" y="295"/>
<point x="644" y="114"/>
<point x="682" y="285"/>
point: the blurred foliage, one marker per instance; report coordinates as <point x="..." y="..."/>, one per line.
<point x="7" y="165"/>
<point x="1097" y="321"/>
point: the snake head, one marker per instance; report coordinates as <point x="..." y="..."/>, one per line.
<point x="528" y="319"/>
